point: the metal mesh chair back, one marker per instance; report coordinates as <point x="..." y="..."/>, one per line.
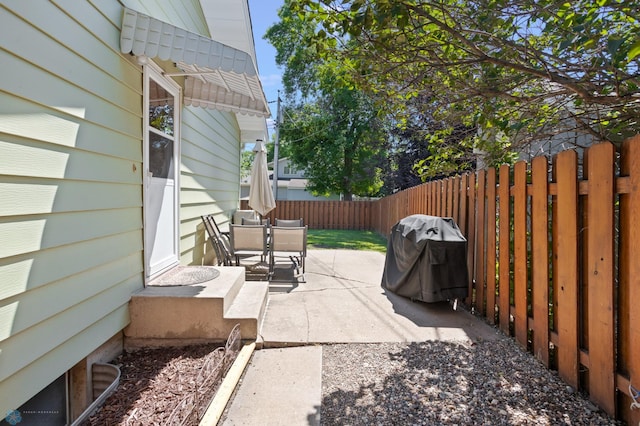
<point x="290" y="222"/>
<point x="248" y="214"/>
<point x="248" y="238"/>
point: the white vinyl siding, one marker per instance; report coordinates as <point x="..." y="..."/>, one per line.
<point x="186" y="14"/>
<point x="70" y="184"/>
<point x="47" y="369"/>
<point x="210" y="176"/>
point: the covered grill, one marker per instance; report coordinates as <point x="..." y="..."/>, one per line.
<point x="426" y="259"/>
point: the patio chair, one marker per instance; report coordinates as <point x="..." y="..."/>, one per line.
<point x="219" y="240"/>
<point x="290" y="222"/>
<point x="248" y="214"/>
<point x="246" y="221"/>
<point x="290" y="242"/>
<point x="248" y="241"/>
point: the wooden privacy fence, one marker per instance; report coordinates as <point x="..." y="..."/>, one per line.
<point x="553" y="256"/>
<point x="554" y="260"/>
<point x="323" y="214"/>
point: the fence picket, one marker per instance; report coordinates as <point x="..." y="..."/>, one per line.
<point x="520" y="260"/>
<point x="599" y="269"/>
<point x="565" y="249"/>
<point x="480" y="274"/>
<point x="504" y="238"/>
<point x="462" y="223"/>
<point x="491" y="245"/>
<point x="456" y="198"/>
<point x="471" y="233"/>
<point x="434" y="198"/>
<point x="424" y="197"/>
<point x="629" y="306"/>
<point x="540" y="261"/>
<point x="437" y="189"/>
<point x="449" y="183"/>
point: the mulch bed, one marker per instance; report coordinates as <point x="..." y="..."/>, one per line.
<point x="154" y="382"/>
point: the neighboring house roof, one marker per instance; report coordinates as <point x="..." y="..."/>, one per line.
<point x="218" y="76"/>
<point x="280" y="161"/>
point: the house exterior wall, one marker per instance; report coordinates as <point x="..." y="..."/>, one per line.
<point x="185" y="14"/>
<point x="301" y="194"/>
<point x="71" y="227"/>
<point x="210" y="178"/>
<point x="289" y="191"/>
<point x="283" y="165"/>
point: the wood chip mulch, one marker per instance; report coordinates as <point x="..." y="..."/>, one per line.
<point x="154" y="382"/>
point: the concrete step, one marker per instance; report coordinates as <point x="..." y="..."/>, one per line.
<point x="196" y="313"/>
<point x="248" y="308"/>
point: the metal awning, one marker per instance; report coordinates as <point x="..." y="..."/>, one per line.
<point x="217" y="76"/>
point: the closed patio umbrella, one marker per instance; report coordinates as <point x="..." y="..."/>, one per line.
<point x="260" y="192"/>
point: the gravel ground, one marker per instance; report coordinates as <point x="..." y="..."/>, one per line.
<point x="443" y="383"/>
<point x="427" y="383"/>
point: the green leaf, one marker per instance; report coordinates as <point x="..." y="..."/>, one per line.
<point x="565" y="43"/>
<point x="634" y="51"/>
<point x="613" y="44"/>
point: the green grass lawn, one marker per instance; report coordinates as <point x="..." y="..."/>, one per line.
<point x="345" y="239"/>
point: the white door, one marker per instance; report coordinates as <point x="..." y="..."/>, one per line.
<point x="161" y="172"/>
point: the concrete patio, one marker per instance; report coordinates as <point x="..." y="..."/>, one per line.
<point x="341" y="301"/>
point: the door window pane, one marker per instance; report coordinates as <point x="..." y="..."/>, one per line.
<point x="161" y="131"/>
<point x="160" y="156"/>
<point x="161" y="105"/>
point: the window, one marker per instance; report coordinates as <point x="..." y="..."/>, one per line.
<point x="161" y="132"/>
<point x="289" y="169"/>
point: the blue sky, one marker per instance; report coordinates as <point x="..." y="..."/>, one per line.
<point x="264" y="13"/>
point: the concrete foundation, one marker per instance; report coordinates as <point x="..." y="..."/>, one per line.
<point x="205" y="312"/>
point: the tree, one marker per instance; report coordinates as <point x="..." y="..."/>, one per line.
<point x="413" y="150"/>
<point x="519" y="70"/>
<point x="332" y="129"/>
<point x="340" y="143"/>
<point x="246" y="161"/>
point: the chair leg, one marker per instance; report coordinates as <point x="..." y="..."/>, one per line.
<point x="295" y="264"/>
<point x="270" y="265"/>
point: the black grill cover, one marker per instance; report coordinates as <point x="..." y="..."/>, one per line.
<point x="426" y="259"/>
